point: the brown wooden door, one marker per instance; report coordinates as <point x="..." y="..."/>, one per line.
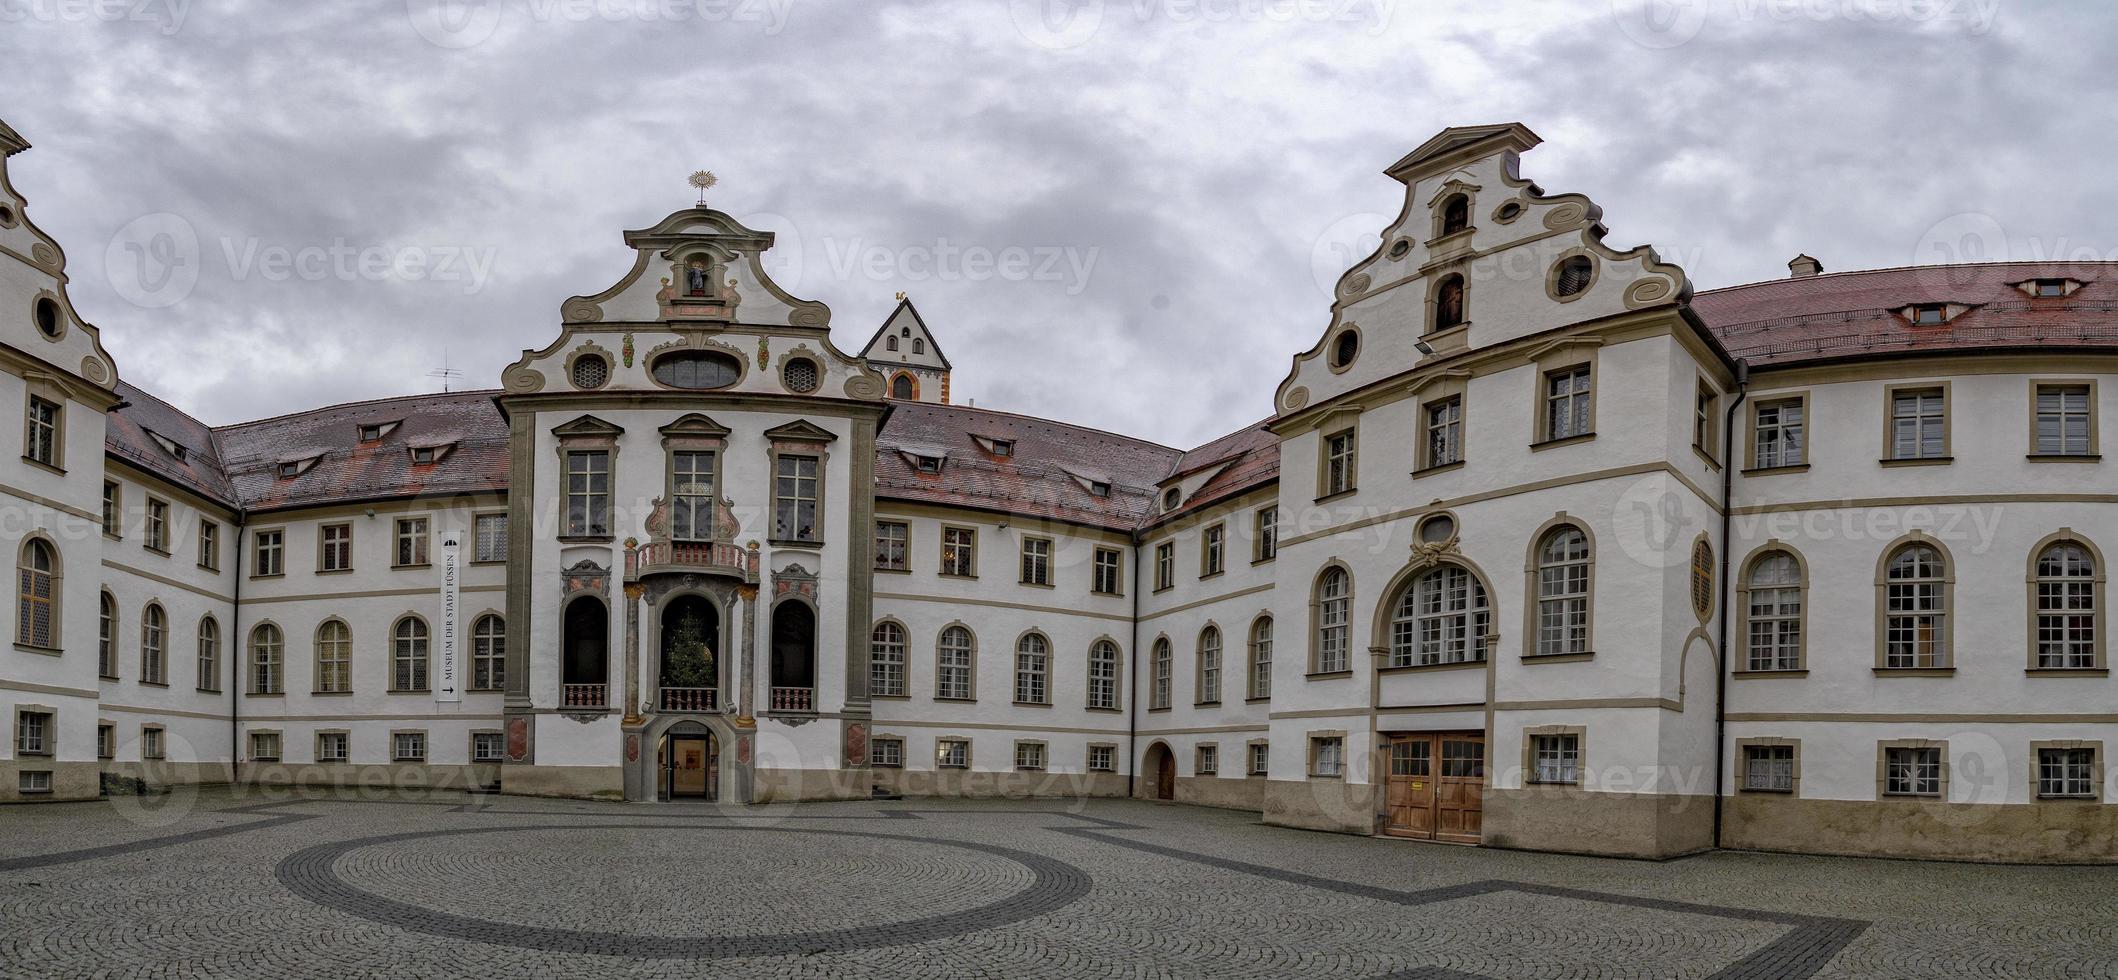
<point x="1435" y="786"/>
<point x="1165" y="775"/>
<point x="1409" y="789"/>
<point x="1459" y="802"/>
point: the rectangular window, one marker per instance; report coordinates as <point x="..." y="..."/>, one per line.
<point x="1555" y="758"/>
<point x="209" y="545"/>
<point x="1036" y="561"/>
<point x="264" y="746"/>
<point x="490" y="537"/>
<point x="1209" y="761"/>
<point x="40" y="438"/>
<point x="1265" y="534"/>
<point x="887" y="753"/>
<point x="106" y="741"/>
<point x="1338" y="463"/>
<point x="1327" y="755"/>
<point x="1165" y="565"/>
<point x="2066" y="774"/>
<point x="691" y="481"/>
<point x="1260" y="758"/>
<point x="113" y="508"/>
<point x="1912" y="771"/>
<point x="1444" y="432"/>
<point x="487" y="746"/>
<point x="332" y="746"/>
<point x="1768" y="768"/>
<point x="1029" y="755"/>
<point x="1108" y="578"/>
<point x="411" y="542"/>
<point x="33" y="783"/>
<point x="959" y="552"/>
<point x="33" y="733"/>
<point x="268" y="553"/>
<point x="1212" y="547"/>
<point x="2063" y="420"/>
<point x="408" y="746"/>
<point x="952" y="753"/>
<point x="150" y="743"/>
<point x="334" y="548"/>
<point x="588" y="493"/>
<point x="794" y="499"/>
<point x="158" y="525"/>
<point x="1566" y="403"/>
<point x="1102" y="758"/>
<point x="1779" y="435"/>
<point x="1919" y="424"/>
<point x="1702" y="418"/>
<point x="893" y="541"/>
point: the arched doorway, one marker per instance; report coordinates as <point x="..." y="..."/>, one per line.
<point x="689" y="673"/>
<point x="688" y="761"/>
<point x="585" y="667"/>
<point x="793" y="657"/>
<point x="1160" y="768"/>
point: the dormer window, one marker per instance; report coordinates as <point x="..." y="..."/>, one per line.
<point x="170" y="446"/>
<point x="1456" y="215"/>
<point x="375" y="431"/>
<point x="1004" y="448"/>
<point x="1098" y="488"/>
<point x="2049" y="287"/>
<point x="288" y="469"/>
<point x="1930" y="314"/>
<point x="927" y="464"/>
<point x="1171" y="498"/>
<point x="429" y="455"/>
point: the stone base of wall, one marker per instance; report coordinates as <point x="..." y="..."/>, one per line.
<point x="585" y="782"/>
<point x="1570" y="820"/>
<point x="158" y="775"/>
<point x="69" y="781"/>
<point x="1320" y="804"/>
<point x="961" y="784"/>
<point x="390" y="776"/>
<point x="2057" y="832"/>
<point x="1215" y="791"/>
<point x="797" y="785"/>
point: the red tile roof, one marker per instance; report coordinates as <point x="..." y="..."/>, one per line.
<point x="1045" y="477"/>
<point x="1251" y="456"/>
<point x="466" y="422"/>
<point x="126" y="436"/>
<point x="1855" y="314"/>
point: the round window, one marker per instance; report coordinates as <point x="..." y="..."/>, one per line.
<point x="1437" y="529"/>
<point x="1345" y="349"/>
<point x="801" y="375"/>
<point x="1171" y="498"/>
<point x="1399" y="248"/>
<point x="1508" y="211"/>
<point x="698" y="370"/>
<point x="7" y="216"/>
<point x="591" y="371"/>
<point x="48" y="322"/>
<point x="1573" y="275"/>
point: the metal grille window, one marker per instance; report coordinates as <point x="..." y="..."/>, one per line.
<point x="1329" y="753"/>
<point x="1768" y="768"/>
<point x="33" y="734"/>
<point x="1912" y="771"/>
<point x="1210" y="665"/>
<point x="154" y="634"/>
<point x="1103" y="675"/>
<point x="40" y="438"/>
<point x="1566" y="403"/>
<point x="335" y="548"/>
<point x="1268" y="533"/>
<point x="1440" y="618"/>
<point x="1033" y="664"/>
<point x="588" y="493"/>
<point x="1916" y="609"/>
<point x="1159" y="695"/>
<point x="893" y="546"/>
<point x="959" y="551"/>
<point x="952" y="753"/>
<point x="411" y="541"/>
<point x="269" y="556"/>
<point x="334" y="658"/>
<point x="1106" y="574"/>
<point x="1260" y="759"/>
<point x="794" y="499"/>
<point x="1775" y="614"/>
<point x="264" y="746"/>
<point x="2066" y="607"/>
<point x="1102" y="758"/>
<point x="1261" y="658"/>
<point x="267" y="647"/>
<point x="591" y="372"/>
<point x="1555" y="758"/>
<point x="1029" y="755"/>
<point x="1212" y="543"/>
<point x="1338" y="462"/>
<point x="1445" y="432"/>
<point x="1563" y="592"/>
<point x="1574" y="275"/>
<point x="489" y="654"/>
<point x="886" y="753"/>
<point x="1036" y="561"/>
<point x="691" y="478"/>
<point x="489" y="533"/>
<point x="1333" y="621"/>
<point x="1780" y="435"/>
<point x="886" y="661"/>
<point x="408" y="655"/>
<point x="209" y="654"/>
<point x="1918" y="425"/>
<point x="488" y="746"/>
<point x="2066" y="773"/>
<point x="408" y="746"/>
<point x="36" y="624"/>
<point x="800" y="375"/>
<point x="952" y="673"/>
<point x="2063" y="420"/>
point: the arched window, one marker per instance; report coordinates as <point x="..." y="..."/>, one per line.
<point x="1333" y="605"/>
<point x="408" y="655"/>
<point x="1456" y="215"/>
<point x="334" y="657"/>
<point x="107" y="637"/>
<point x="1448" y="302"/>
<point x="1916" y="608"/>
<point x="1702" y="579"/>
<point x="37" y="619"/>
<point x="890" y="343"/>
<point x="489" y="653"/>
<point x="1440" y="617"/>
<point x="266" y="648"/>
<point x="1562" y="592"/>
<point x="919" y="346"/>
<point x="1033" y="669"/>
<point x="793" y="657"/>
<point x="154" y="633"/>
<point x="584" y="667"/>
<point x="1261" y="657"/>
<point x="953" y="664"/>
<point x="2066" y="607"/>
<point x="1210" y="665"/>
<point x="209" y="654"/>
<point x="1773" y="613"/>
<point x="902" y="388"/>
<point x="1103" y="675"/>
<point x="886" y="661"/>
<point x="1159" y="694"/>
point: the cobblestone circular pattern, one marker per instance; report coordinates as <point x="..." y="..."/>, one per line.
<point x="313" y="874"/>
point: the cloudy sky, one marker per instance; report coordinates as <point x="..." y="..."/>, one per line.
<point x="1123" y="213"/>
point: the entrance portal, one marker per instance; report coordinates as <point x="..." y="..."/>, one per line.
<point x="691" y="767"/>
<point x="1161" y="771"/>
<point x="1436" y="787"/>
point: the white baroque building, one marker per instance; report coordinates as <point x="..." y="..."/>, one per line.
<point x="692" y="547"/>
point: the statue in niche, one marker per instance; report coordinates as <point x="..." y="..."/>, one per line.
<point x="696" y="277"/>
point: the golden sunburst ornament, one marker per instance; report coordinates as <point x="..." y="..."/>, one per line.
<point x="703" y="179"/>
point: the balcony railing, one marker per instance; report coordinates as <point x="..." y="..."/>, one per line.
<point x="711" y="557"/>
<point x="584" y="695"/>
<point x="794" y="699"/>
<point x="690" y="699"/>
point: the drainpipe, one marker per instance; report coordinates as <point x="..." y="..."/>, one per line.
<point x="1132" y="701"/>
<point x="1721" y="665"/>
<point x="235" y="660"/>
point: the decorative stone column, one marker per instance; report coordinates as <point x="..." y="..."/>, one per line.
<point x="632" y="646"/>
<point x="746" y="685"/>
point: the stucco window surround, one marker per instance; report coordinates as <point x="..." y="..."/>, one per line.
<point x="1744" y="782"/>
<point x="40" y="581"/>
<point x="1162" y="678"/>
<point x="154" y="645"/>
<point x="956" y="663"/>
<point x="1342" y="348"/>
<point x="2038" y="789"/>
<point x="44" y="422"/>
<point x="154" y="743"/>
<point x="268" y="552"/>
<point x="1559" y="592"/>
<point x="1448" y="307"/>
<point x="486" y="736"/>
<point x="1922" y="449"/>
<point x="334" y="548"/>
<point x="1206" y="759"/>
<point x="1257" y="758"/>
<point x="411" y="542"/>
<point x="1213" y="550"/>
<point x="334" y="658"/>
<point x="36" y="730"/>
<point x="2064" y="421"/>
<point x="107" y="636"/>
<point x="886" y="752"/>
<point x="408" y="745"/>
<point x="1257" y="677"/>
<point x="1165" y="566"/>
<point x="585" y="436"/>
<point x="1331" y="621"/>
<point x="694" y="433"/>
<point x="584" y="376"/>
<point x="1566" y="749"/>
<point x="1107" y="571"/>
<point x="1328" y="747"/>
<point x="1926" y="588"/>
<point x="952" y="752"/>
<point x="1033" y="669"/>
<point x="1102" y="757"/>
<point x="157" y="526"/>
<point x="265" y="744"/>
<point x="893" y="546"/>
<point x="1034" y="561"/>
<point x="1106" y="675"/>
<point x="1337" y="454"/>
<point x="792" y="443"/>
<point x="1031" y="755"/>
<point x="1451" y="210"/>
<point x="1763" y="577"/>
<point x="1264" y="534"/>
<point x="959" y="551"/>
<point x="1777" y="440"/>
<point x="2056" y="646"/>
<point x="889" y="659"/>
<point x="333" y="745"/>
<point x="209" y="654"/>
<point x="113" y="510"/>
<point x="1565" y="267"/>
<point x="410" y="655"/>
<point x="1565" y="417"/>
<point x="266" y="660"/>
<point x="1435" y="615"/>
<point x="1210" y="666"/>
<point x="1941" y="774"/>
<point x="1444" y="422"/>
<point x="1706" y="434"/>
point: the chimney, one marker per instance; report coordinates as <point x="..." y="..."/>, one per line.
<point x="1802" y="267"/>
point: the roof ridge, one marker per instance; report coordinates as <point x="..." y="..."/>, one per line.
<point x="1908" y="268"/>
<point x="364" y="401"/>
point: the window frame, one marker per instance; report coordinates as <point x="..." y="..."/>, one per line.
<point x="1406" y="616"/>
<point x="411" y="540"/>
<point x="1031" y="755"/>
<point x="1535" y="647"/>
<point x="113" y="514"/>
<point x="1883" y="751"/>
<point x="47" y="433"/>
<point x="333" y="658"/>
<point x="1914" y="389"/>
<point x="1033" y="670"/>
<point x="959" y="551"/>
<point x="1744" y="748"/>
<point x="2034" y="581"/>
<point x="489" y="652"/>
<point x="479" y="554"/>
<point x="1034" y="564"/>
<point x="209" y="654"/>
<point x="1107" y="563"/>
<point x="1161" y="677"/>
<point x="209" y="539"/>
<point x="875" y="752"/>
<point x="788" y="496"/>
<point x="1453" y="426"/>
<point x="942" y="755"/>
<point x="884" y="654"/>
<point x="1578" y="401"/>
<point x="1257" y="658"/>
<point x="28" y="581"/>
<point x="413" y="652"/>
<point x="267" y="676"/>
<point x="1101" y="672"/>
<point x="2094" y="774"/>
<point x="1338" y="469"/>
<point x="1213" y="549"/>
<point x="46" y="727"/>
<point x="944" y="670"/>
<point x="582" y="493"/>
<point x="885" y="544"/>
<point x="157" y="526"/>
<point x="154" y="644"/>
<point x="1945" y="584"/>
<point x="1571" y="743"/>
<point x="1323" y="621"/>
<point x="400" y="738"/>
<point x="1264" y="533"/>
<point x="277" y="548"/>
<point x="1165" y="565"/>
<point x="1209" y="663"/>
<point x="1754" y="449"/>
<point x="1746" y="615"/>
<point x="2093" y="448"/>
<point x="334" y="557"/>
<point x="1318" y="740"/>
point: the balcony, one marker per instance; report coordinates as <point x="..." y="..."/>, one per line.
<point x="692" y="699"/>
<point x="584" y="696"/>
<point x="794" y="699"/>
<point x="697" y="557"/>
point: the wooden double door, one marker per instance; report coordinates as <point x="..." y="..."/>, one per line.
<point x="1435" y="788"/>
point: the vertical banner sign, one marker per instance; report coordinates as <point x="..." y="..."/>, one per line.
<point x="448" y="666"/>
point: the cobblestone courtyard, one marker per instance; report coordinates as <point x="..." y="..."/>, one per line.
<point x="250" y="886"/>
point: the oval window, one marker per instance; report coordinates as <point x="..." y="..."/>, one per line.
<point x="697" y="369"/>
<point x="1345" y="349"/>
<point x="48" y="318"/>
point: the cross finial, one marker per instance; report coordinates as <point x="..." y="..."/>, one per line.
<point x="703" y="179"/>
